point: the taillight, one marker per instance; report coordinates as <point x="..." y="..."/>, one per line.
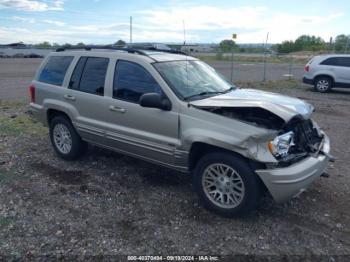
<point x="307" y="68"/>
<point x="31" y="90"/>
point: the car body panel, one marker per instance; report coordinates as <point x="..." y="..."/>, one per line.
<point x="283" y="106"/>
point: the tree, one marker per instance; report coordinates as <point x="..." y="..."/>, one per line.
<point x="43" y="45"/>
<point x="120" y="43"/>
<point x="67" y="45"/>
<point x="227" y="45"/>
<point x="309" y="43"/>
<point x="341" y="41"/>
<point x="80" y="44"/>
<point x="285" y="47"/>
<point x="302" y="43"/>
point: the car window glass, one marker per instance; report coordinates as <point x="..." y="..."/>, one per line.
<point x="55" y="70"/>
<point x="344" y="61"/>
<point x="89" y="75"/>
<point x="132" y="80"/>
<point x="75" y="79"/>
<point x="330" y="61"/>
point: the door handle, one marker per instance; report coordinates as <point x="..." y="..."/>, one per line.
<point x="69" y="97"/>
<point x="117" y="109"/>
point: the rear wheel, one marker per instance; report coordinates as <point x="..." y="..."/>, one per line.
<point x="323" y="84"/>
<point x="65" y="139"/>
<point x="226" y="184"/>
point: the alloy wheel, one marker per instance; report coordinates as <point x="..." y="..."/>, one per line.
<point x="223" y="186"/>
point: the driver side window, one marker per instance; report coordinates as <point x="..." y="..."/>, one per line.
<point x="131" y="81"/>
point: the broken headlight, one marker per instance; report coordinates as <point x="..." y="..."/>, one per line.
<point x="280" y="145"/>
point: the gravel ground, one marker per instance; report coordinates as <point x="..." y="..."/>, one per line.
<point x="109" y="204"/>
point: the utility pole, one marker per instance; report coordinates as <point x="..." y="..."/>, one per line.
<point x="183" y="24"/>
<point x="234" y="37"/>
<point x="130" y="29"/>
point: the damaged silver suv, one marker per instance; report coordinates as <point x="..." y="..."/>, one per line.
<point x="178" y="112"/>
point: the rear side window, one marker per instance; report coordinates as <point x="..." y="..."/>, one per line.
<point x="89" y="75"/>
<point x="55" y="69"/>
<point x="131" y="81"/>
<point x="337" y="61"/>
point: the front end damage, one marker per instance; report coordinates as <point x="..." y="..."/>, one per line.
<point x="299" y="148"/>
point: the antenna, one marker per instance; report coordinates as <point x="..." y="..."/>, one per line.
<point x="184" y="28"/>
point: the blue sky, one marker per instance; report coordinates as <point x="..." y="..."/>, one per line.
<point x="106" y="21"/>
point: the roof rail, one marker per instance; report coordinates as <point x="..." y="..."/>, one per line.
<point x="171" y="51"/>
<point x="140" y="51"/>
<point x="108" y="47"/>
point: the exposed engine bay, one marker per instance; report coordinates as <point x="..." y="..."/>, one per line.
<point x="306" y="138"/>
<point x="252" y="115"/>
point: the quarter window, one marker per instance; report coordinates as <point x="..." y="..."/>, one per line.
<point x="131" y="81"/>
<point x="89" y="75"/>
<point x="55" y="69"/>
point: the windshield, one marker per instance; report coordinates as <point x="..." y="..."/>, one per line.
<point x="192" y="80"/>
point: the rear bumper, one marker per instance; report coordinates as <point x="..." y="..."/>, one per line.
<point x="308" y="81"/>
<point x="37" y="113"/>
<point x="285" y="183"/>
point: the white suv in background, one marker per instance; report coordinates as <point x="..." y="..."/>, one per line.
<point x="327" y="71"/>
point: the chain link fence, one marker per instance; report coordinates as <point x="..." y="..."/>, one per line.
<point x="256" y="66"/>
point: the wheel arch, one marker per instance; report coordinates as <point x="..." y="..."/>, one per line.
<point x="199" y="149"/>
<point x="324" y="75"/>
<point x="51" y="113"/>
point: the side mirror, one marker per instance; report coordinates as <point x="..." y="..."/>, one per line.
<point x="154" y="100"/>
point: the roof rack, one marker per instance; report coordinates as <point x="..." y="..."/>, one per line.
<point x="108" y="47"/>
<point x="140" y="51"/>
<point x="171" y="51"/>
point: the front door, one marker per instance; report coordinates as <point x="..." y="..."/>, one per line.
<point x="145" y="132"/>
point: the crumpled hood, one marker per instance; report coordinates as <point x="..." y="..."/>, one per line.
<point x="284" y="106"/>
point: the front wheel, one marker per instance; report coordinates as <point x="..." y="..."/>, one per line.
<point x="226" y="184"/>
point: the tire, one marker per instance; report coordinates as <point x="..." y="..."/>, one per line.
<point x="244" y="197"/>
<point x="62" y="129"/>
<point x="323" y="84"/>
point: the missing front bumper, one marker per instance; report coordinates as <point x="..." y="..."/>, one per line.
<point x="284" y="183"/>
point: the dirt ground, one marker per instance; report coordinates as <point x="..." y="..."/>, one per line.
<point x="107" y="204"/>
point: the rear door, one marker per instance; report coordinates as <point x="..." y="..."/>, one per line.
<point x="145" y="132"/>
<point x="85" y="93"/>
<point x="340" y="68"/>
<point x="343" y="71"/>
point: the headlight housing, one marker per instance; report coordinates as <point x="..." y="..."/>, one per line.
<point x="280" y="145"/>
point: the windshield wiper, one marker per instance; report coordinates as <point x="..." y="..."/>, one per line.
<point x="209" y="93"/>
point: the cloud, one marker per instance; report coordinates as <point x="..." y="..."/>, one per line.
<point x="54" y="22"/>
<point x="251" y="23"/>
<point x="24" y="19"/>
<point x="35" y="21"/>
<point x="203" y="24"/>
<point x="32" y="6"/>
